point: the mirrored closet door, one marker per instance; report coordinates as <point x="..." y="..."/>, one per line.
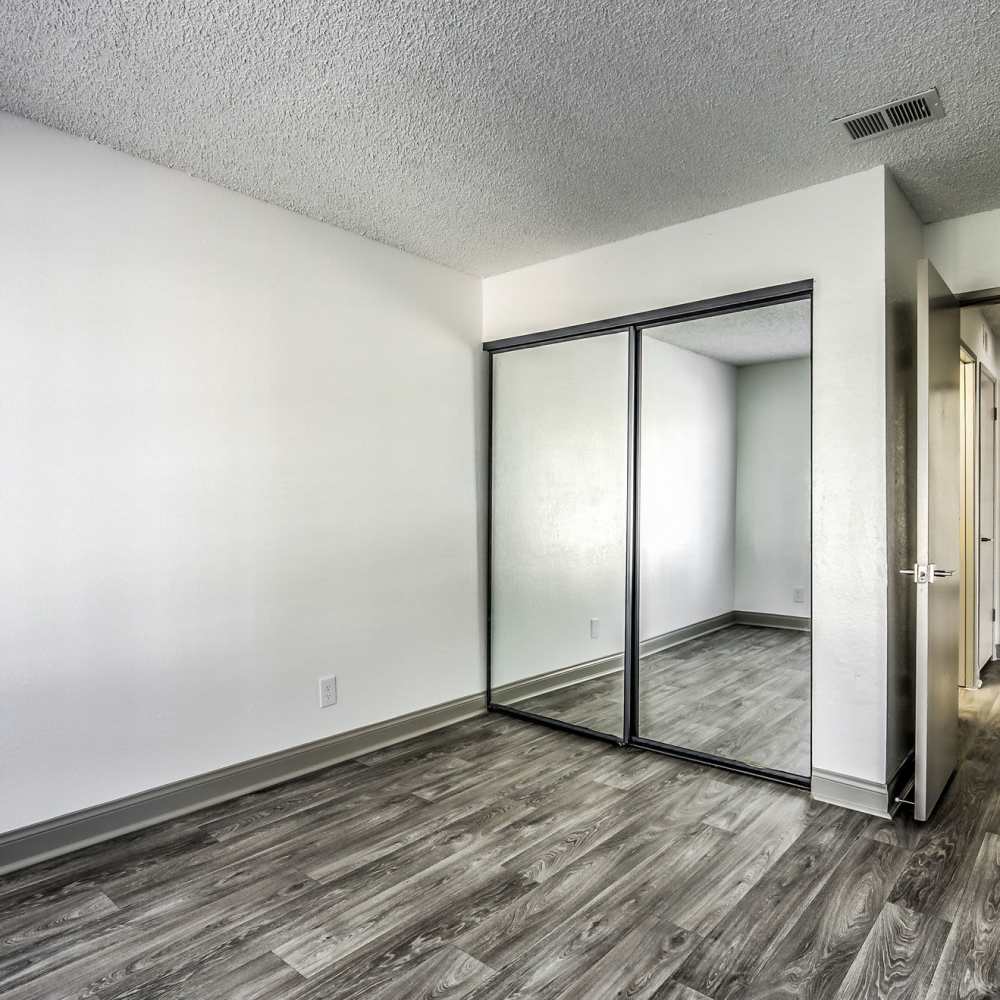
<point x="724" y="551"/>
<point x="559" y="498"/>
<point x="650" y="530"/>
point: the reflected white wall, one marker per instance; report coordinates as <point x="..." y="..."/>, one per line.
<point x="772" y="488"/>
<point x="560" y="426"/>
<point x="687" y="487"/>
<point x="725" y="488"/>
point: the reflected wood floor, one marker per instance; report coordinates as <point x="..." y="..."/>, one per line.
<point x="742" y="692"/>
<point x="499" y="860"/>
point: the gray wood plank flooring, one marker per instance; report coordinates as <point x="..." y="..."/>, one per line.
<point x="742" y="692"/>
<point x="498" y="860"/>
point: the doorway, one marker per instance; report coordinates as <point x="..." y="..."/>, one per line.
<point x="978" y="500"/>
<point x="954" y="438"/>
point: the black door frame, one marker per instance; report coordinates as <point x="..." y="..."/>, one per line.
<point x="634" y="324"/>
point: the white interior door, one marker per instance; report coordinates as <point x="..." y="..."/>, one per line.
<point x="935" y="573"/>
<point x="987" y="506"/>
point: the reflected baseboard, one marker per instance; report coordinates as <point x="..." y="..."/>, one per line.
<point x="578" y="673"/>
<point x="554" y="680"/>
<point x="802" y="624"/>
<point x="658" y="643"/>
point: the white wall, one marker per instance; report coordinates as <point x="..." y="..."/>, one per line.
<point x="966" y="251"/>
<point x="560" y="454"/>
<point x="687" y="487"/>
<point x="833" y="233"/>
<point x="772" y="488"/>
<point x="237" y="451"/>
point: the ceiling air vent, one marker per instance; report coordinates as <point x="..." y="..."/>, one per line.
<point x="906" y="113"/>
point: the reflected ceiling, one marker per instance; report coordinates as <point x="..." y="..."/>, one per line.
<point x="748" y="337"/>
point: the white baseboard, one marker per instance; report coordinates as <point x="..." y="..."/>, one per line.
<point x="852" y="793"/>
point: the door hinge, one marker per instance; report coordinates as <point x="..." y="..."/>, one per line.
<point x="994" y="413"/>
<point x="994" y="616"/>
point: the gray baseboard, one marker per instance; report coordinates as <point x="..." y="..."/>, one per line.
<point x="31" y="844"/>
<point x="553" y="680"/>
<point x="852" y="793"/>
<point x="772" y="621"/>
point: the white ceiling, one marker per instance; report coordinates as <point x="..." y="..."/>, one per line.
<point x="748" y="337"/>
<point x="492" y="134"/>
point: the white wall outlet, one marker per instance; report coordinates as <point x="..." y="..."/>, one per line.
<point x="595" y="628"/>
<point x="799" y="595"/>
<point x="327" y="691"/>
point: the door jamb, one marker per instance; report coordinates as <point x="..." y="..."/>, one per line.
<point x="969" y="669"/>
<point x="982" y="370"/>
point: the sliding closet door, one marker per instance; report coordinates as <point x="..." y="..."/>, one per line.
<point x="558" y="534"/>
<point x="724" y="530"/>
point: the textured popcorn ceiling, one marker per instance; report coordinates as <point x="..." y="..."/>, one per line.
<point x="492" y="134"/>
<point x="748" y="337"/>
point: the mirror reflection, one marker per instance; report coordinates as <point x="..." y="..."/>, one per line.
<point x="725" y="484"/>
<point x="559" y="491"/>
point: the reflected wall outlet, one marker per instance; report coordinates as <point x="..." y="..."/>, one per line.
<point x="799" y="595"/>
<point x="327" y="691"/>
<point x="595" y="628"/>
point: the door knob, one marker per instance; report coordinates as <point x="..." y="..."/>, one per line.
<point x="986" y="539"/>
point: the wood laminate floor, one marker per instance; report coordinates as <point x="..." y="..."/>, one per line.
<point x="499" y="860"/>
<point x="742" y="693"/>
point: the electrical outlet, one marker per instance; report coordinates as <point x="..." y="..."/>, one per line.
<point x="327" y="691"/>
<point x="799" y="595"/>
<point x="595" y="628"/>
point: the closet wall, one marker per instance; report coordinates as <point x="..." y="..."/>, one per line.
<point x="833" y="233"/>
